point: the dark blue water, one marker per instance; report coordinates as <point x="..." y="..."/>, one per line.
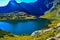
<point x="24" y="27"/>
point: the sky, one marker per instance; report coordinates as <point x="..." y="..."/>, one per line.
<point x="26" y="1"/>
<point x="5" y="2"/>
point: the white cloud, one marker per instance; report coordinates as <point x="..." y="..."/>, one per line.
<point x="4" y="2"/>
<point x="25" y="1"/>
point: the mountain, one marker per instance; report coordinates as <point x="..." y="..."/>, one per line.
<point x="37" y="8"/>
<point x="54" y="13"/>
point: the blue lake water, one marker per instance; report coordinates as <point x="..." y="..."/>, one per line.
<point x="24" y="27"/>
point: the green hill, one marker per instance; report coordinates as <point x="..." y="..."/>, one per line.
<point x="52" y="14"/>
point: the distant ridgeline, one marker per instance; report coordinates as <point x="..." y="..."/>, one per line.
<point x="33" y="7"/>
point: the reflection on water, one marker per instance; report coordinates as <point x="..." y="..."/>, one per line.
<point x="24" y="27"/>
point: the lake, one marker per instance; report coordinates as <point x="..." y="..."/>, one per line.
<point x="23" y="26"/>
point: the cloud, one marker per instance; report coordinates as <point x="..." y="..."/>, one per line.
<point x="4" y="2"/>
<point x="25" y="1"/>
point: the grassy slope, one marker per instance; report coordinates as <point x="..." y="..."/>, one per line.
<point x="51" y="14"/>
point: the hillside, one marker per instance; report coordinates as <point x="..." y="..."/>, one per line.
<point x="52" y="14"/>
